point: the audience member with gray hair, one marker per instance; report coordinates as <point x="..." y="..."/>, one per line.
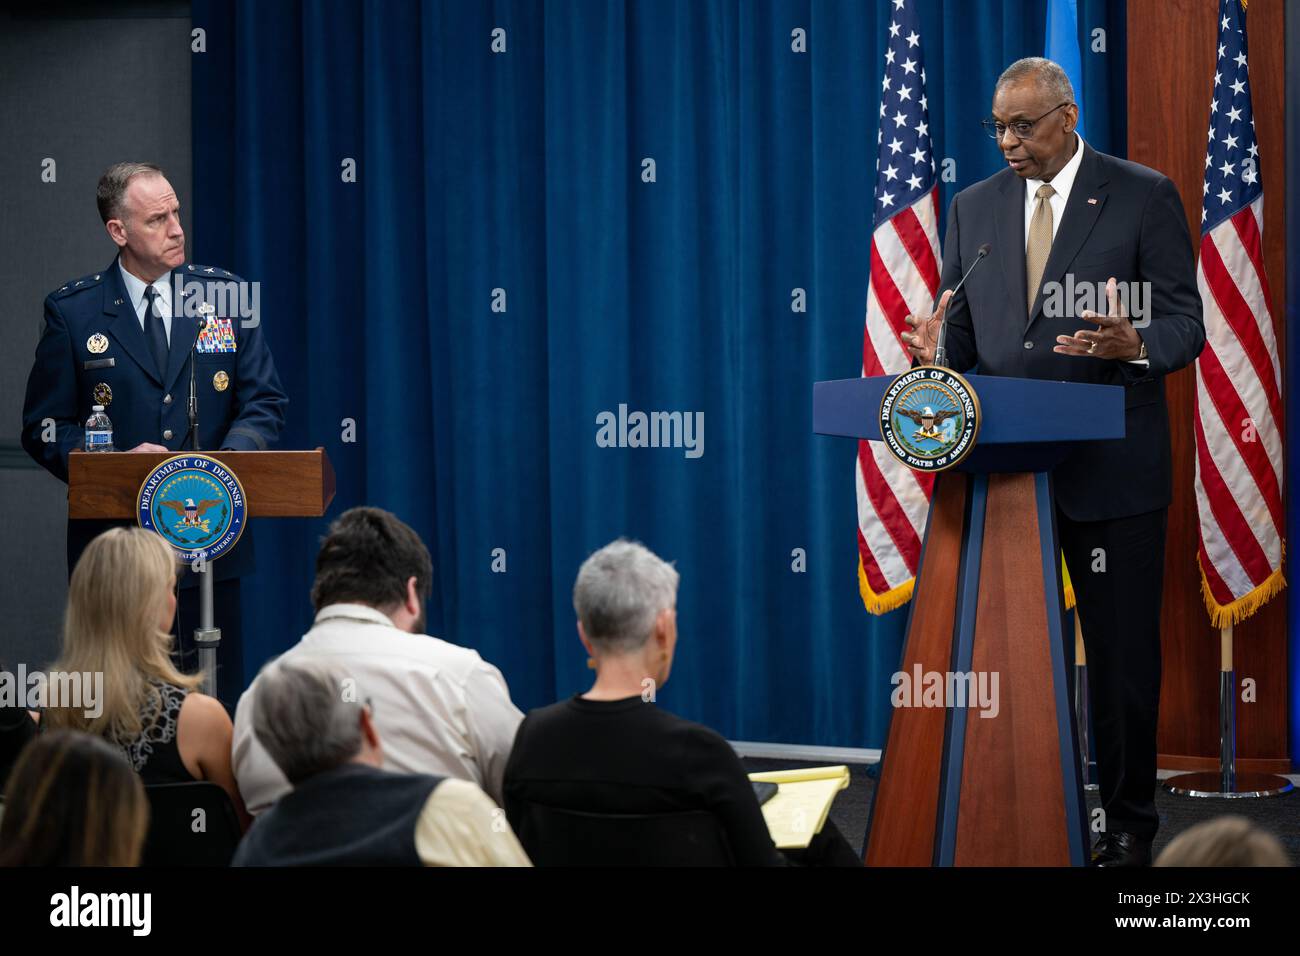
<point x="344" y="808"/>
<point x="612" y="751"/>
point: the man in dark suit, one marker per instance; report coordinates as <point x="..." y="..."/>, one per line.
<point x="1063" y="220"/>
<point x="122" y="338"/>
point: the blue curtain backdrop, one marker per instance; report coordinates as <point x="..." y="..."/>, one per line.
<point x="522" y="171"/>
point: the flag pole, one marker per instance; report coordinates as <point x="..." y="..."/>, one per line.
<point x="1257" y="519"/>
<point x="1227" y="782"/>
<point x="1082" y="719"/>
<point x="1227" y="713"/>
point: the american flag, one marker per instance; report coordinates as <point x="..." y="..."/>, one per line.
<point x="893" y="500"/>
<point x="1238" y="376"/>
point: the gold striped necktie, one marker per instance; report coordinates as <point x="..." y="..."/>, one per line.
<point x="1040" y="241"/>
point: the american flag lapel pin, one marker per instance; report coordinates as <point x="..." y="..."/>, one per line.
<point x="1092" y="202"/>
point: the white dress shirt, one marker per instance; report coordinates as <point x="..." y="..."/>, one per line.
<point x="135" y="292"/>
<point x="438" y="708"/>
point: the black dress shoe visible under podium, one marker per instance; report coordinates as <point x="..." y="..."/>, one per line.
<point x="1121" y="849"/>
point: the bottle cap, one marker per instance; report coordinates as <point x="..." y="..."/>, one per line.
<point x="96" y="408"/>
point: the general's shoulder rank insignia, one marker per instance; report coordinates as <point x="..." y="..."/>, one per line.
<point x="221" y="381"/>
<point x="97" y="343"/>
<point x="103" y="394"/>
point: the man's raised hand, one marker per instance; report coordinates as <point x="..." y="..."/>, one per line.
<point x="1114" y="337"/>
<point x="924" y="337"/>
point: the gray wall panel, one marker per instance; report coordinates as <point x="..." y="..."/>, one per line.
<point x="35" y="581"/>
<point x="86" y="85"/>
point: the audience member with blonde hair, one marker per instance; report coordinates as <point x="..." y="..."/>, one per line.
<point x="72" y="800"/>
<point x="121" y="604"/>
<point x="1224" y="841"/>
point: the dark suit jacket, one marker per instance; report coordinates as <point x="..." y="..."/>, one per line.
<point x="1136" y="230"/>
<point x="148" y="404"/>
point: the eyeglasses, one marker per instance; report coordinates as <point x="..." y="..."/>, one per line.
<point x="1023" y="129"/>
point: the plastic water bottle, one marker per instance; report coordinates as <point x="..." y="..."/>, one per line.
<point x="99" y="431"/>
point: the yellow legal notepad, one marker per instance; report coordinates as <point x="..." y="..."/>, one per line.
<point x="799" y="809"/>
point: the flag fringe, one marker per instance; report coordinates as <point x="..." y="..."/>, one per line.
<point x="1223" y="615"/>
<point x="890" y="600"/>
<point x="1067" y="586"/>
<point x="897" y="597"/>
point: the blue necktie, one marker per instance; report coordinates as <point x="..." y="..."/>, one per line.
<point x="155" y="330"/>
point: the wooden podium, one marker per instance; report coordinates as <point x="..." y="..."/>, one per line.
<point x="957" y="788"/>
<point x="277" y="484"/>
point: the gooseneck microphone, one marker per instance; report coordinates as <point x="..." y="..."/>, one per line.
<point x="193" y="408"/>
<point x="940" y="353"/>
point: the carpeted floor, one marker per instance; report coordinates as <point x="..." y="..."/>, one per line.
<point x="1279" y="815"/>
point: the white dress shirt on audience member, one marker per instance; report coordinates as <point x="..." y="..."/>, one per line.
<point x="440" y="708"/>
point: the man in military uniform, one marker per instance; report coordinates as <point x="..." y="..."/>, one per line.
<point x="122" y="338"/>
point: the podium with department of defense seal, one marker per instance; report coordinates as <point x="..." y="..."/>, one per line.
<point x="199" y="503"/>
<point x="966" y="785"/>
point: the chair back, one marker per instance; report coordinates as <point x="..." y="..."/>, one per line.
<point x="190" y="824"/>
<point x="553" y="836"/>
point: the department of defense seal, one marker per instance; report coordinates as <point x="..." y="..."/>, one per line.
<point x="929" y="418"/>
<point x="195" y="503"/>
<point x="97" y="343"/>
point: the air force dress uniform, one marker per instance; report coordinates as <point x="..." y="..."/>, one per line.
<point x="98" y="348"/>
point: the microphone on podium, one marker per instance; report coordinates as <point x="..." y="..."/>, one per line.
<point x="940" y="353"/>
<point x="192" y="409"/>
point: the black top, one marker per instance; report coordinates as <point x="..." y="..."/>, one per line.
<point x="155" y="753"/>
<point x="629" y="756"/>
<point x="353" y="815"/>
<point x="16" y="729"/>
